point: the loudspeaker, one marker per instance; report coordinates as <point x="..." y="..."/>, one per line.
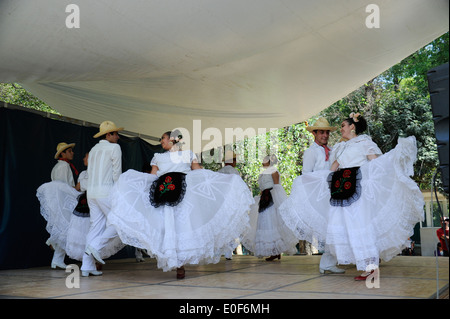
<point x="438" y="88"/>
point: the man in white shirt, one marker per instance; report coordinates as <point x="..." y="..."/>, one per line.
<point x="315" y="158"/>
<point x="63" y="171"/>
<point x="105" y="167"/>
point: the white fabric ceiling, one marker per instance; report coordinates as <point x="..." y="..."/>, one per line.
<point x="151" y="66"/>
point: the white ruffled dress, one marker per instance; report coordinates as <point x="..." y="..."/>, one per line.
<point x="269" y="236"/>
<point x="379" y="223"/>
<point x="67" y="227"/>
<point x="58" y="201"/>
<point x="202" y="227"/>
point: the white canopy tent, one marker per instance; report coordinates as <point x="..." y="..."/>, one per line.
<point x="152" y="66"/>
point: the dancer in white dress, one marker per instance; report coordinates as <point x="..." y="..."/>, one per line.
<point x="79" y="220"/>
<point x="269" y="236"/>
<point x="194" y="226"/>
<point x="367" y="208"/>
<point x="57" y="208"/>
<point x="230" y="168"/>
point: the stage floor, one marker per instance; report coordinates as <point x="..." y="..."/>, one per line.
<point x="244" y="277"/>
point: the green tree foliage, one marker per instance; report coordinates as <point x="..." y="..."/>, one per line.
<point x="416" y="66"/>
<point x="288" y="144"/>
<point x="13" y="93"/>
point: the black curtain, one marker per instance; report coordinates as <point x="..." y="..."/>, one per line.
<point x="27" y="148"/>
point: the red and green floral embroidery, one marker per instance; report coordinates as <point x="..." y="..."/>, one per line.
<point x="345" y="186"/>
<point x="167" y="185"/>
<point x="343" y="182"/>
<point x="168" y="189"/>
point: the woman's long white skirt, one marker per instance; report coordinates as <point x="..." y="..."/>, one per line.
<point x="58" y="201"/>
<point x="269" y="236"/>
<point x="201" y="228"/>
<point x="377" y="225"/>
<point x="67" y="229"/>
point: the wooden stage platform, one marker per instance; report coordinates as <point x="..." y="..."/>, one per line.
<point x="244" y="277"/>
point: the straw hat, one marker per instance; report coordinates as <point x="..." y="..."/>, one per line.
<point x="62" y="147"/>
<point x="107" y="127"/>
<point x="321" y="124"/>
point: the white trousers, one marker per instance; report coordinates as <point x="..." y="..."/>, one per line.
<point x="327" y="260"/>
<point x="99" y="234"/>
<point x="58" y="255"/>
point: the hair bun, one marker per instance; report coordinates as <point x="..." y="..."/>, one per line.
<point x="271" y="159"/>
<point x="359" y="121"/>
<point x="355" y="116"/>
<point x="176" y="135"/>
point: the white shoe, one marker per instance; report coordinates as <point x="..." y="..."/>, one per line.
<point x="333" y="270"/>
<point x="140" y="259"/>
<point x="94" y="253"/>
<point x="59" y="265"/>
<point x="86" y="273"/>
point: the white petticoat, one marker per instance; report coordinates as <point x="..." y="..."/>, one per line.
<point x="202" y="227"/>
<point x="377" y="225"/>
<point x="67" y="230"/>
<point x="76" y="239"/>
<point x="268" y="235"/>
<point x="76" y="236"/>
<point x="58" y="200"/>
